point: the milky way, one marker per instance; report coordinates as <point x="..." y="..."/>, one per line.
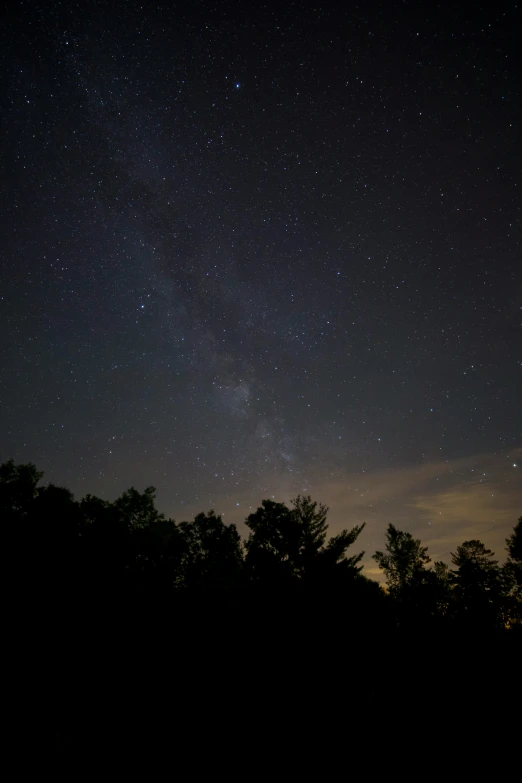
<point x="260" y="251"/>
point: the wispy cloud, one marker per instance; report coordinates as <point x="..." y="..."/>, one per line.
<point x="442" y="503"/>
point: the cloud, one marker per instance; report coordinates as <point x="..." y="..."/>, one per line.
<point x="442" y="503"/>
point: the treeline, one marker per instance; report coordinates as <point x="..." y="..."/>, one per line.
<point x="128" y="625"/>
<point x="125" y="551"/>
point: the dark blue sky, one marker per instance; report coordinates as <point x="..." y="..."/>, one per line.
<point x="251" y="251"/>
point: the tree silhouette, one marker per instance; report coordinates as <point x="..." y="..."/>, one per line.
<point x="119" y="599"/>
<point x="18" y="489"/>
<point x="212" y="556"/>
<point x="436" y="591"/>
<point x="421" y="595"/>
<point x="477" y="585"/>
<point x="290" y="543"/>
<point x="126" y="559"/>
<point x="512" y="575"/>
<point x="403" y="563"/>
<point x="514" y="542"/>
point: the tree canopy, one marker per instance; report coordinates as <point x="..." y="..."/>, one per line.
<point x="286" y="543"/>
<point x="403" y="562"/>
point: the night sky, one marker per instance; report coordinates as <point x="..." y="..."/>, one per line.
<point x="251" y="251"/>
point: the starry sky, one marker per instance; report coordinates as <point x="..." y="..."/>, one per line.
<point x="255" y="250"/>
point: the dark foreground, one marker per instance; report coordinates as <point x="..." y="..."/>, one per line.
<point x="207" y="691"/>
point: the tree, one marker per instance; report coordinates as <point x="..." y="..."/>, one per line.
<point x="421" y="594"/>
<point x="18" y="489"/>
<point x="211" y="553"/>
<point x="56" y="526"/>
<point x="403" y="563"/>
<point x="107" y="538"/>
<point x="290" y="543"/>
<point x="138" y="509"/>
<point x="57" y="523"/>
<point x="436" y="591"/>
<point x="514" y="542"/>
<point x="128" y="545"/>
<point x="476" y="567"/>
<point x="270" y="548"/>
<point x="512" y="575"/>
<point x="477" y="584"/>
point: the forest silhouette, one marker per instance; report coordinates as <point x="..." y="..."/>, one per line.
<point x="132" y="627"/>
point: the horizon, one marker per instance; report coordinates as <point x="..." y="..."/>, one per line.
<point x="473" y="506"/>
